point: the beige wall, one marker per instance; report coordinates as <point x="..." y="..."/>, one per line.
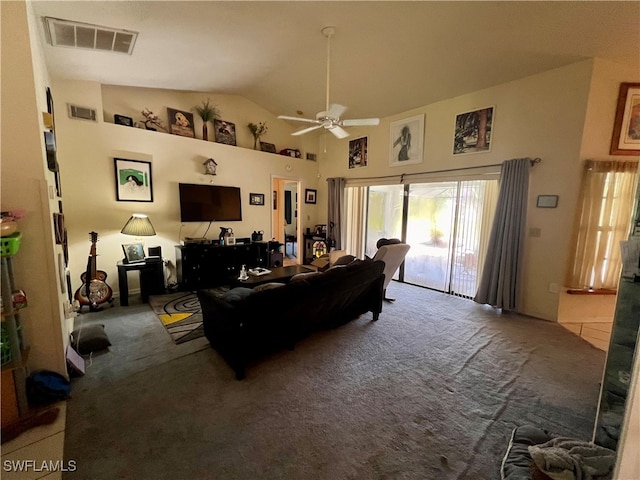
<point x="86" y="151"/>
<point x="538" y="116"/>
<point x="26" y="184"/>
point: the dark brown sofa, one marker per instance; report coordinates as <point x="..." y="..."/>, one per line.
<point x="243" y="325"/>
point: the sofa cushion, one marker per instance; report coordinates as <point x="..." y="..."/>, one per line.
<point x="237" y="294"/>
<point x="343" y="260"/>
<point x="268" y="286"/>
<point x="89" y="338"/>
<point x="303" y="276"/>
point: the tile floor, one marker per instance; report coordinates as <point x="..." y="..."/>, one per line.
<point x="40" y="444"/>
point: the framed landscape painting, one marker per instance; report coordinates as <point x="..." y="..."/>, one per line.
<point x="473" y="131"/>
<point x="133" y="180"/>
<point x="406" y="141"/>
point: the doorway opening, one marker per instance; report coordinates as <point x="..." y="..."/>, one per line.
<point x="286" y="218"/>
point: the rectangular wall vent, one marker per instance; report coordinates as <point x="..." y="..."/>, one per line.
<point x="66" y="33"/>
<point x="82" y="113"/>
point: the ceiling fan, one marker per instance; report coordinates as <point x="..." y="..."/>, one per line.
<point x="329" y="119"/>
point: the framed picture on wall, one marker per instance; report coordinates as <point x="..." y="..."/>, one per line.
<point x="256" y="199"/>
<point x="310" y="195"/>
<point x="358" y="152"/>
<point x="406" y="141"/>
<point x="181" y="123"/>
<point x="472" y="132"/>
<point x="626" y="127"/>
<point x="133" y="180"/>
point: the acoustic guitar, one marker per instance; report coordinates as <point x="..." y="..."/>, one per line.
<point x="94" y="290"/>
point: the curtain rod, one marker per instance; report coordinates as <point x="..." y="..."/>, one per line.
<point x="532" y="161"/>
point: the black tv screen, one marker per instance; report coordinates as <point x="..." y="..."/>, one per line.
<point x="209" y="203"/>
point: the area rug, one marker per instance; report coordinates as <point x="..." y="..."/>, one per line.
<point x="180" y="314"/>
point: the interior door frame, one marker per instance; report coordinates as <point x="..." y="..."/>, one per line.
<point x="277" y="185"/>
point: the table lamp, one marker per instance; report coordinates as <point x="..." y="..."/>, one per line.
<point x="137" y="226"/>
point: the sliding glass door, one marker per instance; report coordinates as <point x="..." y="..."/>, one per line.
<point x="446" y="223"/>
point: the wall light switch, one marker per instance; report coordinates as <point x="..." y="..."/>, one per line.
<point x="553" y="287"/>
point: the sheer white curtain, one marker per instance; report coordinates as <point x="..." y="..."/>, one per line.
<point x="355" y="216"/>
<point x="604" y="215"/>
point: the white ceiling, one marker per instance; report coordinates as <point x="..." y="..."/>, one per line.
<point x="387" y="57"/>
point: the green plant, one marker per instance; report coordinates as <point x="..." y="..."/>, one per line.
<point x="207" y="112"/>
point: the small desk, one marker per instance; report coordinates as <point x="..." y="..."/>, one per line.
<point x="151" y="279"/>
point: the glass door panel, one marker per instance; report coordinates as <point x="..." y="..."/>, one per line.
<point x="429" y="232"/>
<point x="384" y="216"/>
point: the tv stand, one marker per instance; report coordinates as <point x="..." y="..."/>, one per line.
<point x="207" y="265"/>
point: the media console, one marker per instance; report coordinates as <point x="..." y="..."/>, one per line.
<point x="206" y="265"/>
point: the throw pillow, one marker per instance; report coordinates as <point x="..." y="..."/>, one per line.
<point x="343" y="260"/>
<point x="237" y="294"/>
<point x="89" y="338"/>
<point x="268" y="286"/>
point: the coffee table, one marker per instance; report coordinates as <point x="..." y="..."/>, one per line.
<point x="278" y="274"/>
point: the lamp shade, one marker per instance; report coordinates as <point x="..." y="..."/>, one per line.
<point x="138" y="225"/>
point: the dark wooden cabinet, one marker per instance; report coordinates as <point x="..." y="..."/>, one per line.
<point x="211" y="265"/>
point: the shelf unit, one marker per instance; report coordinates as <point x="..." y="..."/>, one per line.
<point x="14" y="371"/>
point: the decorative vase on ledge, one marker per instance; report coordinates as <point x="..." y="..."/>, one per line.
<point x="205" y="132"/>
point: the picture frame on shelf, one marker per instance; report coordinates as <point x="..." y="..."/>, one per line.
<point x="625" y="139"/>
<point x="122" y="120"/>
<point x="310" y="195"/>
<point x="181" y="123"/>
<point x="133" y="180"/>
<point x="256" y="199"/>
<point x="133" y="252"/>
<point x="225" y="132"/>
<point x="358" y="152"/>
<point x="473" y="131"/>
<point x="406" y="141"/>
<point x="267" y="147"/>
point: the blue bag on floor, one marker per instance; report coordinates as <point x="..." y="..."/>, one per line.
<point x="45" y="387"/>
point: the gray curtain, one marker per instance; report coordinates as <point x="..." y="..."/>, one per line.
<point x="499" y="282"/>
<point x="334" y="217"/>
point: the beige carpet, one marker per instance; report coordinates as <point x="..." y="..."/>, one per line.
<point x="431" y="391"/>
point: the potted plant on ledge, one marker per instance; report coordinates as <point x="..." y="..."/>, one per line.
<point x="208" y="113"/>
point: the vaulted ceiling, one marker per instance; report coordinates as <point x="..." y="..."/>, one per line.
<point x="386" y="57"/>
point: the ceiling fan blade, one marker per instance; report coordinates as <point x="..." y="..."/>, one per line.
<point x="297" y="119"/>
<point x="360" y="121"/>
<point x="336" y="110"/>
<point x="338" y="131"/>
<point x="306" y="130"/>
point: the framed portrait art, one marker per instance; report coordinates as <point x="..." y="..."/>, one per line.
<point x="133" y="180"/>
<point x="406" y="141"/>
<point x="472" y="132"/>
<point x="133" y="252"/>
<point x="181" y="123"/>
<point x="310" y="195"/>
<point x="626" y="128"/>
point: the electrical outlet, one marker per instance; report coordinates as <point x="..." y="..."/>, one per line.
<point x="535" y="232"/>
<point x="553" y="287"/>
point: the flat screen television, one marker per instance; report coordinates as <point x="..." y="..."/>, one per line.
<point x="209" y="203"/>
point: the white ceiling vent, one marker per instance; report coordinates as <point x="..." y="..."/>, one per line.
<point x="65" y="33"/>
<point x="82" y="113"/>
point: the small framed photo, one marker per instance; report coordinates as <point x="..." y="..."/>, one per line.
<point x="133" y="252"/>
<point x="181" y="123"/>
<point x="312" y="156"/>
<point x="406" y="141"/>
<point x="267" y="147"/>
<point x="225" y="132"/>
<point x="473" y="131"/>
<point x="547" y="201"/>
<point x="626" y="127"/>
<point x="133" y="180"/>
<point x="256" y="199"/>
<point x="358" y="152"/>
<point x="122" y="120"/>
<point x="310" y="195"/>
